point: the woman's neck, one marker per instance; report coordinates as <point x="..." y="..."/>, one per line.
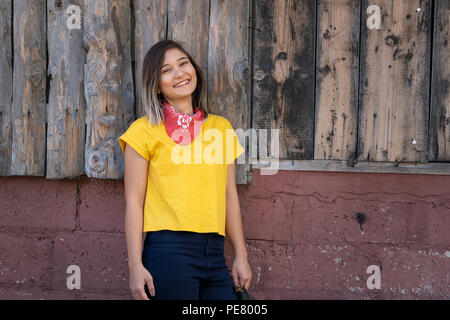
<point x="184" y="106"/>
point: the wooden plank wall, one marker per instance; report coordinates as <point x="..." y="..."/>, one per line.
<point x="341" y="80"/>
<point x="440" y="94"/>
<point x="6" y="76"/>
<point x="28" y="115"/>
<point x="66" y="120"/>
<point x="338" y="41"/>
<point x="394" y="82"/>
<point x="109" y="89"/>
<point x="283" y="74"/>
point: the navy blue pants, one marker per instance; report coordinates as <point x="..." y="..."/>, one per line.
<point x="187" y="266"/>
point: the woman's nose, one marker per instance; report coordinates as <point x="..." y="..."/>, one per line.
<point x="178" y="72"/>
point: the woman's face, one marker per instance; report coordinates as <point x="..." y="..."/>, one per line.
<point x="176" y="69"/>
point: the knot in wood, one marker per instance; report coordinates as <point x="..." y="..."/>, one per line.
<point x="97" y="161"/>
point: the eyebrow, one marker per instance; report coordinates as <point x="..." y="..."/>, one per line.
<point x="177" y="60"/>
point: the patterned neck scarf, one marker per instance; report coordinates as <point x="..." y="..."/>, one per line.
<point x="180" y="126"/>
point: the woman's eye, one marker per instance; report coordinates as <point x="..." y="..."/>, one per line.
<point x="169" y="69"/>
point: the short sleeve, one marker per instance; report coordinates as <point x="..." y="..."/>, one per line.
<point x="232" y="145"/>
<point x="135" y="137"/>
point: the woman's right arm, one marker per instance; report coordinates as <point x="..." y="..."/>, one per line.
<point x="135" y="182"/>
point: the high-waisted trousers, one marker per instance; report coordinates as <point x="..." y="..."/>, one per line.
<point x="187" y="266"/>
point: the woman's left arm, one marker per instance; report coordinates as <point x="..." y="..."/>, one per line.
<point x="240" y="270"/>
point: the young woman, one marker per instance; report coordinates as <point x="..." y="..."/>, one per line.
<point x="180" y="187"/>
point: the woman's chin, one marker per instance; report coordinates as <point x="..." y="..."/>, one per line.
<point x="178" y="94"/>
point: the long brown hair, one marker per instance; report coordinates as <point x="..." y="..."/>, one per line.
<point x="151" y="71"/>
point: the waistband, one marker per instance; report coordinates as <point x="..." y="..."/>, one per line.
<point x="184" y="236"/>
<point x="186" y="240"/>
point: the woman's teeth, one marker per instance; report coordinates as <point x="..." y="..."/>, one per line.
<point x="182" y="84"/>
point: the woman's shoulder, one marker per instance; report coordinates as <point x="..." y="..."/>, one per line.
<point x="144" y="123"/>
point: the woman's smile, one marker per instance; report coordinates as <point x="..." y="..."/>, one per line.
<point x="182" y="84"/>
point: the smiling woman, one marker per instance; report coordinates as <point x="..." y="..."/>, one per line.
<point x="185" y="207"/>
<point x="166" y="66"/>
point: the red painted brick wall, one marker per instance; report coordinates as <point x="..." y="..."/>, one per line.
<point x="303" y="241"/>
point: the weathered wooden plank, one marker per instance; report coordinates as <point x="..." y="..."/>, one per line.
<point x="66" y="105"/>
<point x="6" y="74"/>
<point x="283" y="73"/>
<point x="440" y="95"/>
<point x="394" y="82"/>
<point x="228" y="68"/>
<point x="363" y="166"/>
<point x="150" y="28"/>
<point x="337" y="79"/>
<point x="188" y="25"/>
<point x="29" y="89"/>
<point x="108" y="84"/>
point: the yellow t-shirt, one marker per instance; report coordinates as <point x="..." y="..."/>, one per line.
<point x="186" y="185"/>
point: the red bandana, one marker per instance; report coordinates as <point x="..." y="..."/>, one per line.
<point x="180" y="126"/>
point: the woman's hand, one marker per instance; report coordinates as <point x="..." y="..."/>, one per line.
<point x="241" y="273"/>
<point x="139" y="276"/>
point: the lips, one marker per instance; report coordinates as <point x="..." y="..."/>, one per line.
<point x="188" y="81"/>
